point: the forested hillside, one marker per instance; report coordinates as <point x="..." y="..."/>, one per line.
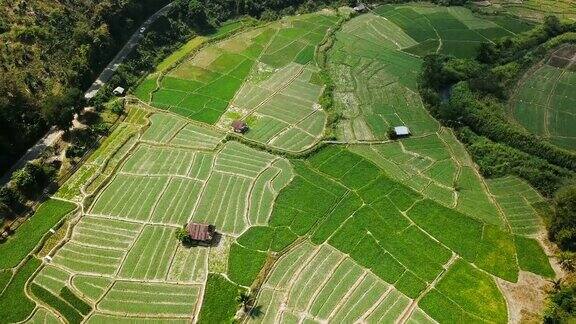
<point x="49" y="47"/>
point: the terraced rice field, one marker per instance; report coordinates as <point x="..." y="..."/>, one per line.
<point x="376" y="82"/>
<point x="123" y="259"/>
<point x="429" y="165"/>
<point x="375" y="64"/>
<point x="264" y="76"/>
<point x="389" y="234"/>
<point x="545" y="99"/>
<point x="534" y="9"/>
<point x="280" y="99"/>
<point x="369" y="231"/>
<point x="327" y="285"/>
<point x="449" y="30"/>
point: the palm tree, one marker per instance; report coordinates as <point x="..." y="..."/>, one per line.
<point x="255" y="312"/>
<point x="556" y="284"/>
<point x="246" y="301"/>
<point x="567" y="261"/>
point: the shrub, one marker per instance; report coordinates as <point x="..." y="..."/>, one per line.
<point x="71" y="314"/>
<point x="563" y="220"/>
<point x="14" y="303"/>
<point x="561" y="304"/>
<point x="244" y="264"/>
<point x="118" y="107"/>
<point x="29" y="234"/>
<point x="30" y="179"/>
<point x="74" y="151"/>
<point x="220" y="300"/>
<point x="183" y="236"/>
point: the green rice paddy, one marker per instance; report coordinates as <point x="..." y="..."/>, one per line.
<point x="545" y="99"/>
<point x="534" y="9"/>
<point x="364" y="231"/>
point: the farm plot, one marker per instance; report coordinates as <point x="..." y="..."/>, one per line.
<point x="283" y="109"/>
<point x="202" y="86"/>
<point x="345" y="202"/>
<point x="147" y="87"/>
<point x="101" y="158"/>
<point x="175" y="131"/>
<point x="429" y="165"/>
<point x="232" y="188"/>
<point x="545" y="101"/>
<point x="453" y="30"/>
<point x="123" y="259"/>
<point x="319" y="283"/>
<point x="43" y="316"/>
<point x="534" y="9"/>
<point x="280" y="98"/>
<point x="517" y="199"/>
<point x="375" y="83"/>
<point x="154" y="300"/>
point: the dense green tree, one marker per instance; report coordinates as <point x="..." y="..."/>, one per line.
<point x="552" y="26"/>
<point x="59" y="110"/>
<point x="10" y="198"/>
<point x="487" y="53"/>
<point x="434" y="73"/>
<point x="20" y="122"/>
<point x="563" y="220"/>
<point x="561" y="304"/>
<point x="196" y="10"/>
<point x="27" y="179"/>
<point x="183" y="236"/>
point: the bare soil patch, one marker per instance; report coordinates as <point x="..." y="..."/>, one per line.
<point x="526" y="298"/>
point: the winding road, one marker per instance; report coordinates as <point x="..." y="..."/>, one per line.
<point x="54" y="135"/>
<point x="105" y="76"/>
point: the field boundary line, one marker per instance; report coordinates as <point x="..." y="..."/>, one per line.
<point x="323" y="262"/>
<point x="324" y="282"/>
<point x="410" y="309"/>
<point x="377" y="304"/>
<point x="277" y="91"/>
<point x="549" y="101"/>
<point x="248" y="207"/>
<point x="349" y="293"/>
<point x="294" y="277"/>
<point x="205" y="183"/>
<point x="200" y="300"/>
<point x="159" y="198"/>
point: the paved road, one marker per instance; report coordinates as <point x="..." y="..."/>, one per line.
<point x="33" y="153"/>
<point x="124" y="52"/>
<point x="53" y="135"/>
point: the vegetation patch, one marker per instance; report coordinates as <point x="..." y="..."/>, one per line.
<point x="220" y="300"/>
<point x="31" y="232"/>
<point x="5" y="276"/>
<point x="244" y="264"/>
<point x="532" y="258"/>
<point x="71" y="298"/>
<point x="15" y="304"/>
<point x="480" y="298"/>
<point x="70" y="313"/>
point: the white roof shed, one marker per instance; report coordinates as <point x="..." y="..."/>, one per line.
<point x="119" y="91"/>
<point x="401" y="131"/>
<point x="360" y="7"/>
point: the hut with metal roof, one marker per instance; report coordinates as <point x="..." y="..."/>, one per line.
<point x="201" y="233"/>
<point x="401" y="131"/>
<point x="239" y="126"/>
